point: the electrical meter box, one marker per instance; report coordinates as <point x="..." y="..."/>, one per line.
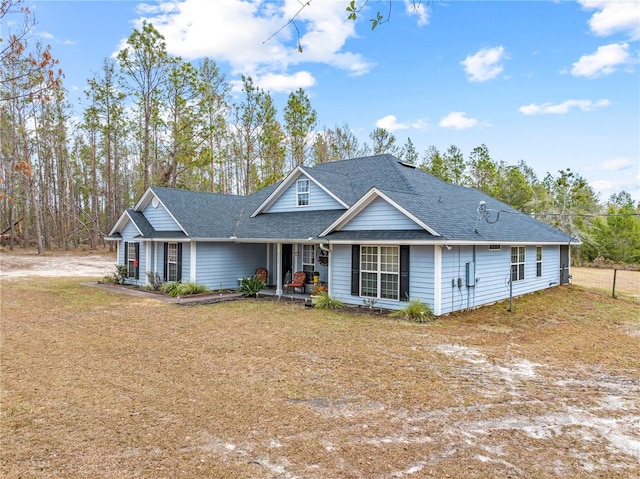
<point x="471" y="274"/>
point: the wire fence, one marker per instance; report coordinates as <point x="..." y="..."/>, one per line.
<point x="617" y="282"/>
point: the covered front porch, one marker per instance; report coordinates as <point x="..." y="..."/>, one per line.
<point x="285" y="259"/>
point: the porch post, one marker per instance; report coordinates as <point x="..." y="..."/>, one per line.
<point x="279" y="269"/>
<point x="147" y="261"/>
<point x="193" y="261"/>
<point x="155" y="256"/>
<point x="268" y="263"/>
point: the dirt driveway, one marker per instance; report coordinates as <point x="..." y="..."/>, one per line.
<point x="81" y="264"/>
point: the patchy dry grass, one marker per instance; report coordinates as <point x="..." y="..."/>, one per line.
<point x="101" y="385"/>
<point x="627" y="281"/>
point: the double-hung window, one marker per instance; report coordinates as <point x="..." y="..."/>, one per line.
<point x="172" y="262"/>
<point x="517" y="263"/>
<point x="538" y="261"/>
<point x="132" y="260"/>
<point x="380" y="272"/>
<point x="302" y="192"/>
<point x="308" y="260"/>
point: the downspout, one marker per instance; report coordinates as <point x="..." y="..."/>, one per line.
<point x="437" y="280"/>
<point x="328" y="250"/>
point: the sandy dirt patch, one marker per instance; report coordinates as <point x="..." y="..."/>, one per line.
<point x="81" y="264"/>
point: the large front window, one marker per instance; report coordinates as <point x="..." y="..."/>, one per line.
<point x="517" y="263"/>
<point x="302" y="191"/>
<point x="380" y="272"/>
<point x="172" y="262"/>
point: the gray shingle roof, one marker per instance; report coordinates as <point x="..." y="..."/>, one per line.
<point x="450" y="210"/>
<point x="141" y="222"/>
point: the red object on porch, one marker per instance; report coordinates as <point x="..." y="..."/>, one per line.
<point x="299" y="279"/>
<point x="263" y="274"/>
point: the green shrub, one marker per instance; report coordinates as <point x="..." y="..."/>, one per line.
<point x="176" y="288"/>
<point x="155" y="281"/>
<point x="324" y="301"/>
<point x="119" y="276"/>
<point x="251" y="286"/>
<point x="415" y="310"/>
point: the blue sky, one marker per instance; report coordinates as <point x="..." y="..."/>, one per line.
<point x="555" y="84"/>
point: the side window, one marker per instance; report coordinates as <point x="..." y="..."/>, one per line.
<point x="308" y="260"/>
<point x="172" y="262"/>
<point x="132" y="260"/>
<point x="538" y="261"/>
<point x="517" y="263"/>
<point x="302" y="192"/>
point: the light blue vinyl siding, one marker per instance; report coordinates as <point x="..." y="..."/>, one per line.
<point x="340" y="287"/>
<point x="186" y="263"/>
<point x="421" y="274"/>
<point x="492" y="275"/>
<point x="380" y="215"/>
<point x="160" y="219"/>
<point x="318" y="200"/>
<point x="219" y="265"/>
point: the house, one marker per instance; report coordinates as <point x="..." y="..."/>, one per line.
<point x="377" y="230"/>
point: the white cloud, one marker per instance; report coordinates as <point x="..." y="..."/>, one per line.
<point x="418" y="9"/>
<point x="273" y="82"/>
<point x="613" y="17"/>
<point x="243" y="34"/>
<point x="604" y="61"/>
<point x="390" y="123"/>
<point x="616" y="164"/>
<point x="562" y="108"/>
<point x="484" y="65"/>
<point x="608" y="187"/>
<point x="457" y="120"/>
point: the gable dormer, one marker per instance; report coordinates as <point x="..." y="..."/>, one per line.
<point x="377" y="211"/>
<point x="157" y="213"/>
<point x="300" y="191"/>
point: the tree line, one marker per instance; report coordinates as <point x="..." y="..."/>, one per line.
<point x="151" y="118"/>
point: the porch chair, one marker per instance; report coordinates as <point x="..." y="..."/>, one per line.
<point x="299" y="280"/>
<point x="263" y="274"/>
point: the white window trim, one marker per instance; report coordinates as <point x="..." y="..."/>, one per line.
<point x="131" y="258"/>
<point x="539" y="262"/>
<point x="169" y="262"/>
<point x="518" y="263"/>
<point x="306" y="247"/>
<point x="299" y="193"/>
<point x="379" y="272"/>
<point x="495" y="247"/>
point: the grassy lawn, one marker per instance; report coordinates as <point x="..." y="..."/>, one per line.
<point x="100" y="385"/>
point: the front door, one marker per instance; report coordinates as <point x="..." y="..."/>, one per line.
<point x="564" y="264"/>
<point x="287" y="262"/>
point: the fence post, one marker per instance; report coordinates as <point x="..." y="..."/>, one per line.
<point x="613" y="293"/>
